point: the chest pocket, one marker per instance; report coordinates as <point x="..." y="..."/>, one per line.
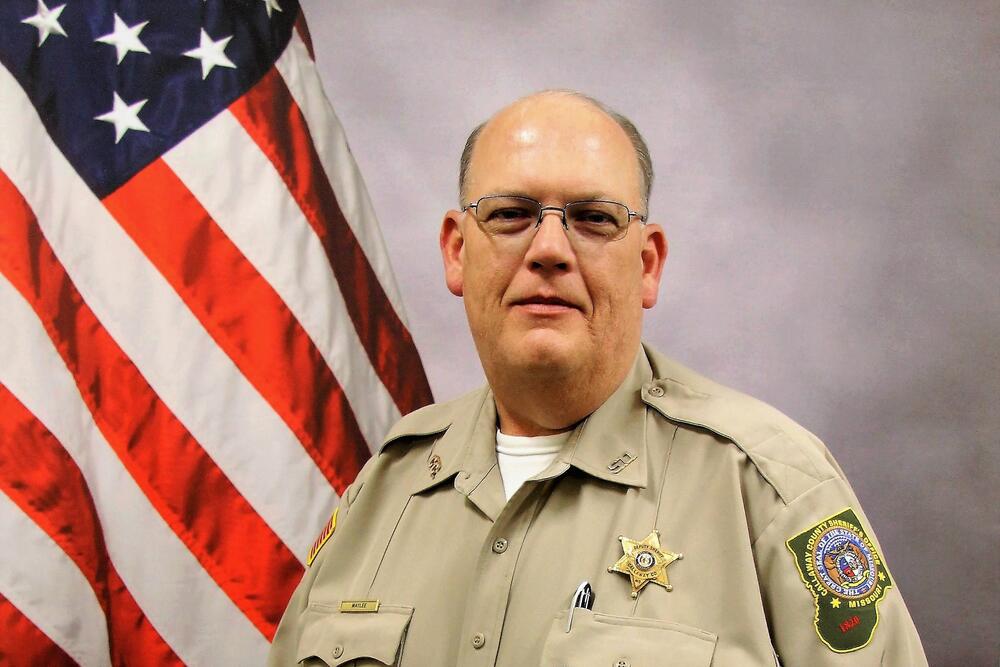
<point x="602" y="640"/>
<point x="333" y="638"/>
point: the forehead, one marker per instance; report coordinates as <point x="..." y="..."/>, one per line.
<point x="554" y="147"/>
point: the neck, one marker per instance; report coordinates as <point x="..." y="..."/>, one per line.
<point x="538" y="403"/>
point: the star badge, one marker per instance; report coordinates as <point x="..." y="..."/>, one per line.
<point x="645" y="562"/>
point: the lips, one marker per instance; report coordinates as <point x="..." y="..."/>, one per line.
<point x="545" y="301"/>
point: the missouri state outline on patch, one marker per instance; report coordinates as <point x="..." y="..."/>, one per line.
<point x="843" y="570"/>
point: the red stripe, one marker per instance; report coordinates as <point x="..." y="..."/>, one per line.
<point x="276" y="124"/>
<point x="244" y="315"/>
<point x="230" y="540"/>
<point x="22" y="644"/>
<point x="41" y="478"/>
<point x="303" y="30"/>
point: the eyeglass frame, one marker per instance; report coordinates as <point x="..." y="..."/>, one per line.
<point x="562" y="209"/>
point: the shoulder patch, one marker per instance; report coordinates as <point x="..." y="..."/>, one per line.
<point x="331" y="526"/>
<point x="843" y="570"/>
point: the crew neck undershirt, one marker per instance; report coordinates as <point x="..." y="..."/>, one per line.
<point x="522" y="457"/>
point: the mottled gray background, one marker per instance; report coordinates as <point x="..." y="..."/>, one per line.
<point x="828" y="176"/>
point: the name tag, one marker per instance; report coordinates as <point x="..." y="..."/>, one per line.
<point x="359" y="606"/>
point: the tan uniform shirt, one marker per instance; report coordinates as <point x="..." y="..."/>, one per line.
<point x="464" y="578"/>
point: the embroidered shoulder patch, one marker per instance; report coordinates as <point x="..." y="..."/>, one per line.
<point x="331" y="526"/>
<point x="843" y="570"/>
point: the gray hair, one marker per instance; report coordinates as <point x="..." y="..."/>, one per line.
<point x="642" y="156"/>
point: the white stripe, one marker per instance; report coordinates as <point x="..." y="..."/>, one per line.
<point x="289" y="256"/>
<point x="47" y="587"/>
<point x="180" y="599"/>
<point x="157" y="331"/>
<point x="300" y="75"/>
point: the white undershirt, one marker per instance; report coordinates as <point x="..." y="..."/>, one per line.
<point x="522" y="457"/>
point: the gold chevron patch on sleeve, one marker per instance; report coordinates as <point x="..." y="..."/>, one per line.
<point x="331" y="526"/>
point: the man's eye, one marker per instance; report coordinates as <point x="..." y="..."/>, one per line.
<point x="509" y="215"/>
<point x="594" y="218"/>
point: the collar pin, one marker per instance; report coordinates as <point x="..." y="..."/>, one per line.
<point x="434" y="464"/>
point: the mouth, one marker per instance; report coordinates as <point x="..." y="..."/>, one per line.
<point x="545" y="305"/>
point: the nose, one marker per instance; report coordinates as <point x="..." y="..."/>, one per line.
<point x="550" y="247"/>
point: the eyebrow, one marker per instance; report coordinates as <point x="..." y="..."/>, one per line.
<point x="583" y="196"/>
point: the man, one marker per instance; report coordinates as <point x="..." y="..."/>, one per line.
<point x="709" y="528"/>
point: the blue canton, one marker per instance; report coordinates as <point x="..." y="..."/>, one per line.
<point x="117" y="84"/>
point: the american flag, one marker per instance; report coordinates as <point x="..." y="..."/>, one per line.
<point x="200" y="336"/>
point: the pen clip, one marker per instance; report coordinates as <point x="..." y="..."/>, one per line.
<point x="583" y="597"/>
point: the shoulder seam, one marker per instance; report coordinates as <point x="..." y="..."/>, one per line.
<point x="770" y="429"/>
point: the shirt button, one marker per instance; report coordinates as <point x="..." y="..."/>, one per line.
<point x="657" y="392"/>
<point x="622" y="663"/>
<point x="500" y="546"/>
<point x="338" y="651"/>
<point x="478" y="640"/>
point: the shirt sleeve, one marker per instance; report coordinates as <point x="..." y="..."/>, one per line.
<point x="829" y="596"/>
<point x="286" y="639"/>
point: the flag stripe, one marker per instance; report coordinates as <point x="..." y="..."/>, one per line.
<point x="183" y="364"/>
<point x="244" y="315"/>
<point x="298" y="70"/>
<point x="181" y="601"/>
<point x="195" y="498"/>
<point x="22" y="644"/>
<point x="289" y="257"/>
<point x="276" y="124"/>
<point x="303" y="32"/>
<point x="39" y="476"/>
<point x="48" y="588"/>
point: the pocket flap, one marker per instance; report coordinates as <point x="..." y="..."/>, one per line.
<point x="606" y="640"/>
<point x="336" y="637"/>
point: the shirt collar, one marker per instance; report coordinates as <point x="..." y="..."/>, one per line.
<point x="609" y="444"/>
<point x="467" y="449"/>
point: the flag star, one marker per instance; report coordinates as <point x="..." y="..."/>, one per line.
<point x="46" y="21"/>
<point x="211" y="53"/>
<point x="125" y="38"/>
<point x="271" y="5"/>
<point x="125" y="117"/>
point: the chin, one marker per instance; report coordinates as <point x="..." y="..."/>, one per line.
<point x="545" y="350"/>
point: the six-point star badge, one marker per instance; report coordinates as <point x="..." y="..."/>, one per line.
<point x="645" y="562"/>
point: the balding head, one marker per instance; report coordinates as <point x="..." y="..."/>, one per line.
<point x="644" y="162"/>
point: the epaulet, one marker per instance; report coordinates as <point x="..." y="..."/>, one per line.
<point x="434" y="418"/>
<point x="790" y="458"/>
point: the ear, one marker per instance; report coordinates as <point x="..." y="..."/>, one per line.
<point x="452" y="242"/>
<point x="654" y="256"/>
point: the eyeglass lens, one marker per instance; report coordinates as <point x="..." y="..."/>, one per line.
<point x="588" y="220"/>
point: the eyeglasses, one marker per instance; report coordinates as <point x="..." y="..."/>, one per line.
<point x="593" y="221"/>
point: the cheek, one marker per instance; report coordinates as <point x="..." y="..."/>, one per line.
<point x="486" y="283"/>
<point x="617" y="296"/>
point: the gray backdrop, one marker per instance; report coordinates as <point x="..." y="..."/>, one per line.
<point x="828" y="176"/>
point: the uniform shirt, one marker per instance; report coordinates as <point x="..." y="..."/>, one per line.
<point x="522" y="457"/>
<point x="463" y="577"/>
